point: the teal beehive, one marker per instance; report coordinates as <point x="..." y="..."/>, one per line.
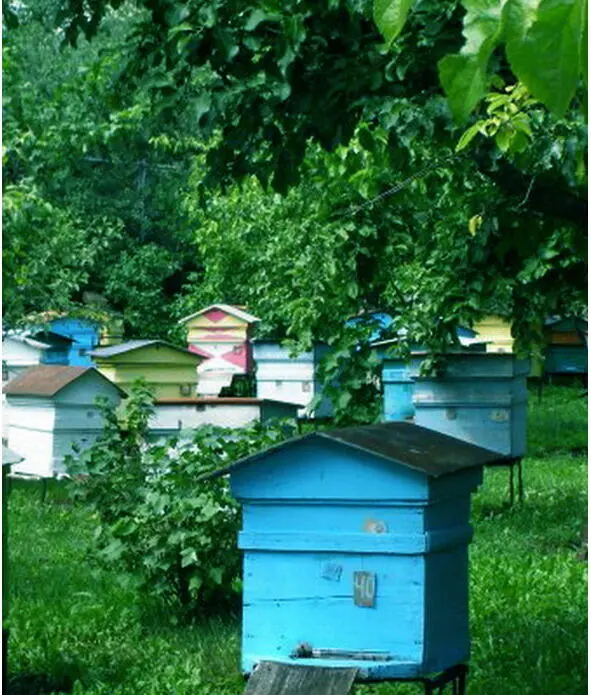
<point x="399" y="374"/>
<point x="355" y="549"/>
<point x="480" y="398"/>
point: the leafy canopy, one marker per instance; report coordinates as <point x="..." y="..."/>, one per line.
<point x="544" y="41"/>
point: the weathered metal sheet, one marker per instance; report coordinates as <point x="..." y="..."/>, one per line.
<point x="9" y="457"/>
<point x="44" y="380"/>
<point x="271" y="678"/>
<point x="416" y="447"/>
<point x="130" y="345"/>
<point x="405" y="443"/>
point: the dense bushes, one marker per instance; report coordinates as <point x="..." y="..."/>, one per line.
<point x="159" y="519"/>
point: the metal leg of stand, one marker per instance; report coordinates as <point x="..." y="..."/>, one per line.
<point x="462" y="682"/>
<point x="456" y="676"/>
<point x="520" y="480"/>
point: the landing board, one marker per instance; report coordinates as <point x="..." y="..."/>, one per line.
<point x="271" y="678"/>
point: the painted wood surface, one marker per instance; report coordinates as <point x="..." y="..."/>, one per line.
<point x="566" y="352"/>
<point x="282" y="376"/>
<point x="171" y="373"/>
<point x="18" y="353"/>
<point x="496" y="332"/>
<point x="85" y="337"/>
<point x="171" y="417"/>
<point x="342" y="550"/>
<point x="220" y="333"/>
<point x="43" y="429"/>
<point x="272" y="678"/>
<point x="566" y="359"/>
<point x="480" y="398"/>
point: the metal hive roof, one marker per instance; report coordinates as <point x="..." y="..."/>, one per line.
<point x="405" y="443"/>
<point x="122" y="348"/>
<point x="47" y="380"/>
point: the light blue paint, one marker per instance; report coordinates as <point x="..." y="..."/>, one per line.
<point x="481" y="399"/>
<point x="314" y="513"/>
<point x="378" y="319"/>
<point x="398" y="385"/>
<point x="85" y="337"/>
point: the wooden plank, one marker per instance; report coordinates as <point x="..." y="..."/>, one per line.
<point x="272" y="678"/>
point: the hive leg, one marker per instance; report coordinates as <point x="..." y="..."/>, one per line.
<point x="455" y="676"/>
<point x="520" y="480"/>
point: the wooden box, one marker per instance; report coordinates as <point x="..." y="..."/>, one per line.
<point x="355" y="549"/>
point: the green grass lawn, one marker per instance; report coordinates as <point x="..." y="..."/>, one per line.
<point x="76" y="627"/>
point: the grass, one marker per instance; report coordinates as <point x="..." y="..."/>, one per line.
<point x="76" y="627"/>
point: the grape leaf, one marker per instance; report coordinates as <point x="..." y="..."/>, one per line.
<point x="545" y="47"/>
<point x="390" y="16"/>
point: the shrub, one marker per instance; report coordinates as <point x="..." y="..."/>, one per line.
<point x="159" y="518"/>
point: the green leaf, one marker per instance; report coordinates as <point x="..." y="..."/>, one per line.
<point x="202" y="105"/>
<point x="464" y="76"/>
<point x="469" y="135"/>
<point x="504" y="138"/>
<point x="545" y="47"/>
<point x="390" y="16"/>
<point x="585" y="50"/>
<point x="464" y="82"/>
<point x="256" y="17"/>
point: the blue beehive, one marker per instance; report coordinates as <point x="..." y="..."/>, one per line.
<point x="356" y="549"/>
<point x="480" y="398"/>
<point x="567" y="346"/>
<point x="84" y="335"/>
<point x="398" y="375"/>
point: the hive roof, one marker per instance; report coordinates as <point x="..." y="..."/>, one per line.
<point x="122" y="348"/>
<point x="48" y="380"/>
<point x="405" y="443"/>
<point x="228" y="308"/>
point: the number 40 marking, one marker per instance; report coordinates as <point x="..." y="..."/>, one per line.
<point x="364" y="589"/>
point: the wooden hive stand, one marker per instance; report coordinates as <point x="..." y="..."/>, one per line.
<point x="275" y="678"/>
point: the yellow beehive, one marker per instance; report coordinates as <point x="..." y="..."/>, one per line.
<point x="496" y="332"/>
<point x="170" y="371"/>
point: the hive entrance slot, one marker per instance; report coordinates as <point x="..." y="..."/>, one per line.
<point x="306" y="651"/>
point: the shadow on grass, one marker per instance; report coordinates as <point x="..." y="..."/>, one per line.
<point x="36" y="684"/>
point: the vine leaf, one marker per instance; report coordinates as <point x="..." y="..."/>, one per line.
<point x="464" y="76"/>
<point x="546" y="47"/>
<point x="390" y="16"/>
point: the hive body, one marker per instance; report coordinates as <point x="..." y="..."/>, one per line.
<point x="481" y="398"/>
<point x="43" y="427"/>
<point x="360" y="558"/>
<point x="282" y="376"/>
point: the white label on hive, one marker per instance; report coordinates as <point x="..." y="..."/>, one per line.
<point x="499" y="415"/>
<point x="364" y="589"/>
<point x="332" y="571"/>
